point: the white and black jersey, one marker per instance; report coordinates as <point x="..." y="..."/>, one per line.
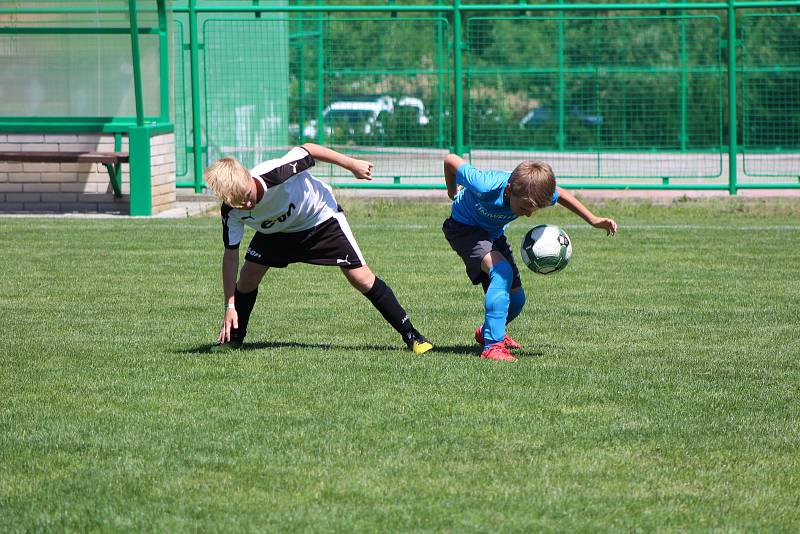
<point x="297" y="218"/>
<point x="293" y="200"/>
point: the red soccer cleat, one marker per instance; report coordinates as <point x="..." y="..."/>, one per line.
<point x="498" y="352"/>
<point x="509" y="343"/>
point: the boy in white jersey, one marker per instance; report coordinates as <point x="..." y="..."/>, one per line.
<point x="296" y="219"/>
<point x="484" y="202"/>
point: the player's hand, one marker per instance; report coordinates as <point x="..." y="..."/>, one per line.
<point x="361" y="169"/>
<point x="609" y="225"/>
<point x="230" y="321"/>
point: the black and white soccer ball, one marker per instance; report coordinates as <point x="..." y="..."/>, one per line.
<point x="546" y="249"/>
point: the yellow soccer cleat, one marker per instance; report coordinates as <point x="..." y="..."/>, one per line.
<point x="417" y="343"/>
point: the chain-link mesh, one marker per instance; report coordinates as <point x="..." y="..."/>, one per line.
<point x="375" y="87"/>
<point x="381" y="90"/>
<point x="246" y="87"/>
<point x="771" y="94"/>
<point x="597" y="97"/>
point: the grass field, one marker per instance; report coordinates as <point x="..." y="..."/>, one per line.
<point x="659" y="390"/>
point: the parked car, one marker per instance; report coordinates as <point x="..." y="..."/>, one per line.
<point x="543" y="115"/>
<point x="417" y="108"/>
<point x="359" y="116"/>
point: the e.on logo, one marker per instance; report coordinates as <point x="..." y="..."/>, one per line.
<point x="269" y="223"/>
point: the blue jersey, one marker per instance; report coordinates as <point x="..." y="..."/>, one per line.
<point x="480" y="203"/>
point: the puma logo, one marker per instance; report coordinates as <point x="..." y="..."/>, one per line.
<point x="345" y="261"/>
<point x="294" y="167"/>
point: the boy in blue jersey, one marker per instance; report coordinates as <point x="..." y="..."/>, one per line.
<point x="484" y="202"/>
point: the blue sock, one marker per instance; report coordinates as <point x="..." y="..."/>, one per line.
<point x="497" y="302"/>
<point x="517" y="302"/>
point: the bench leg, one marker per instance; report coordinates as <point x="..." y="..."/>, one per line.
<point x="115" y="175"/>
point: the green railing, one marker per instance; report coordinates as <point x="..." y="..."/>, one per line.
<point x="770" y="80"/>
<point x="689" y="95"/>
<point x="636" y="96"/>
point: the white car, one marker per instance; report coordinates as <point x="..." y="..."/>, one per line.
<point x="360" y="117"/>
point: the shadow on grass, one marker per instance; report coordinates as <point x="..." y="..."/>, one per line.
<point x="461" y="350"/>
<point x="261" y="345"/>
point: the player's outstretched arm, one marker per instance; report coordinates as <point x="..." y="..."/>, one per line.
<point x="568" y="200"/>
<point x="230" y="266"/>
<point x="451" y="164"/>
<point x="360" y="168"/>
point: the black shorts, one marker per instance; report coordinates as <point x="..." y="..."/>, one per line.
<point x="472" y="244"/>
<point x="329" y="243"/>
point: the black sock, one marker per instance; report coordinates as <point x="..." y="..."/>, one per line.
<point x="382" y="297"/>
<point x="244" y="307"/>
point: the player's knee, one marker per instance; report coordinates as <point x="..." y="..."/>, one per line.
<point x="362" y="278"/>
<point x="246" y="285"/>
<point x="502" y="273"/>
<point x="250" y="277"/>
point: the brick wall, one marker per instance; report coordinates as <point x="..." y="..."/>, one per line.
<point x="79" y="187"/>
<point x="162" y="172"/>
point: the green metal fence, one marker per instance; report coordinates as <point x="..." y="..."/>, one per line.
<point x="600" y="97"/>
<point x="770" y="77"/>
<point x="613" y="95"/>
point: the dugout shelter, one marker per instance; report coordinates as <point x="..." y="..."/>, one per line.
<point x="85" y="99"/>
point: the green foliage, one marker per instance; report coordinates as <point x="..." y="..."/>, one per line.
<point x="653" y="82"/>
<point x="771" y="82"/>
<point x="625" y="72"/>
<point x="659" y="385"/>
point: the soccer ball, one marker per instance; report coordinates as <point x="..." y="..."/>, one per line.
<point x="546" y="249"/>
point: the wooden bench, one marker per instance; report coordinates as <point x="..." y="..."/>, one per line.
<point x="112" y="161"/>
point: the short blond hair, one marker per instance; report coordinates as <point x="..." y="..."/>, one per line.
<point x="534" y="181"/>
<point x="229" y="180"/>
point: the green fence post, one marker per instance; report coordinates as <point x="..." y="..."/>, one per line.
<point x="684" y="137"/>
<point x="320" y="80"/>
<point x="194" y="69"/>
<point x="136" y="60"/>
<point x="140" y="184"/>
<point x="562" y="83"/>
<point x="440" y="79"/>
<point x="301" y="80"/>
<point x="458" y="78"/>
<point x="732" y="127"/>
<point x="163" y="60"/>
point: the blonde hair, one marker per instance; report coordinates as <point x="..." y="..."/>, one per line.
<point x="534" y="181"/>
<point x="229" y="180"/>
